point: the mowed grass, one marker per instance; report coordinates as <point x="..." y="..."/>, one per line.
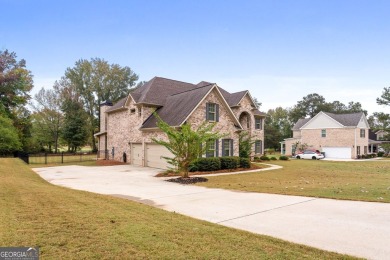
<point x="71" y="224"/>
<point x="365" y="181"/>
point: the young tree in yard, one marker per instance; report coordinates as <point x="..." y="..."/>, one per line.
<point x="186" y="144"/>
<point x="245" y="143"/>
<point x="386" y="148"/>
<point x="97" y="80"/>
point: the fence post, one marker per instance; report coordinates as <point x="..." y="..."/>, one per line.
<point x="62" y="157"/>
<point x="45" y="158"/>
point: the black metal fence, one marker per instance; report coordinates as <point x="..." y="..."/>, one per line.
<point x="57" y="158"/>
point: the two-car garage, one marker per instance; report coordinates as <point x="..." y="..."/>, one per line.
<point x="152" y="155"/>
<point x="337" y="152"/>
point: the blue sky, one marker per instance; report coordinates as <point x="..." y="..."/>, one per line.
<point x="279" y="50"/>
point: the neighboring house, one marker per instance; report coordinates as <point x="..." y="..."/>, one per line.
<point x="382" y="135"/>
<point x="377" y="138"/>
<point x="337" y="135"/>
<point x="127" y="127"/>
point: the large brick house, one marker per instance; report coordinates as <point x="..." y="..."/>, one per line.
<point x="338" y="135"/>
<point x="127" y="127"/>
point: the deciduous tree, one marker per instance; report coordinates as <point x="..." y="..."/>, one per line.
<point x="9" y="139"/>
<point x="97" y="80"/>
<point x="186" y="144"/>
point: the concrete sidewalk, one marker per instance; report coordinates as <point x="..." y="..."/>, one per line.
<point x="350" y="227"/>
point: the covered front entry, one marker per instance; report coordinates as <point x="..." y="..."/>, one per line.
<point x="337" y="152"/>
<point x="136" y="154"/>
<point x="154" y="156"/>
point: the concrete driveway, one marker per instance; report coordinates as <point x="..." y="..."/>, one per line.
<point x="350" y="227"/>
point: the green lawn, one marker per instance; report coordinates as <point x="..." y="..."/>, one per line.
<point x="73" y="224"/>
<point x="365" y="181"/>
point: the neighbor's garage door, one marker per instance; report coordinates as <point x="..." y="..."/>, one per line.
<point x="136" y="154"/>
<point x="155" y="154"/>
<point x="337" y="152"/>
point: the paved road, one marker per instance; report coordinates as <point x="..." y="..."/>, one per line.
<point x="355" y="228"/>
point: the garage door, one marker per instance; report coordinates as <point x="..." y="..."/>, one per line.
<point x="136" y="154"/>
<point x="155" y="154"/>
<point x="337" y="152"/>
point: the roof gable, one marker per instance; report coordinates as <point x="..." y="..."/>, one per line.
<point x="321" y="120"/>
<point x="330" y="120"/>
<point x="363" y="123"/>
<point x="179" y="107"/>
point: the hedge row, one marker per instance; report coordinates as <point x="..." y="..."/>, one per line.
<point x="218" y="163"/>
<point x="273" y="158"/>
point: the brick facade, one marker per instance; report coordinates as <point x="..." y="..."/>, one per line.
<point x="123" y="125"/>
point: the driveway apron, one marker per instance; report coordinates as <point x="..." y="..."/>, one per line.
<point x="351" y="227"/>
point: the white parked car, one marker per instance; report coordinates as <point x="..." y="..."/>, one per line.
<point x="308" y="154"/>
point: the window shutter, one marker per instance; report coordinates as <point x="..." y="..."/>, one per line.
<point x="217" y="148"/>
<point x="207" y="111"/>
<point x="261" y="146"/>
<point x="231" y="147"/>
<point x="216" y="112"/>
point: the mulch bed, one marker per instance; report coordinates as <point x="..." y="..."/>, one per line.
<point x="190" y="180"/>
<point x="173" y="174"/>
<point x="108" y="163"/>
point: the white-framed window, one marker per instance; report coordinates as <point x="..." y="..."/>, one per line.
<point x="323" y="133"/>
<point x="212" y="148"/>
<point x="362" y="133"/>
<point x="258" y="147"/>
<point x="227" y="147"/>
<point x="258" y="123"/>
<point x="132" y="111"/>
<point x="212" y="112"/>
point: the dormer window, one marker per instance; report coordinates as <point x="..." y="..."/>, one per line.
<point x="212" y="112"/>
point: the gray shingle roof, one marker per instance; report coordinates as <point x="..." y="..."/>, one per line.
<point x="177" y="107"/>
<point x="352" y="119"/>
<point x="174" y="99"/>
<point x="301" y="122"/>
<point x="158" y="89"/>
<point x="233" y="98"/>
<point x="258" y="113"/>
<point x="117" y="105"/>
